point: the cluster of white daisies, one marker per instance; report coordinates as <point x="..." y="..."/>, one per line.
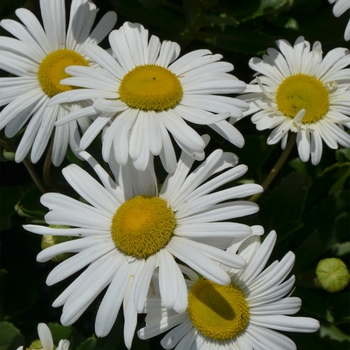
<point x="171" y="251"/>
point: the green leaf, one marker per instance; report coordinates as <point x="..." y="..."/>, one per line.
<point x="314" y="304"/>
<point x="193" y="13"/>
<point x="342" y="177"/>
<point x="10" y="337"/>
<point x="334" y="333"/>
<point x="269" y="7"/>
<point x="340" y="303"/>
<point x="241" y="39"/>
<point x="282" y="208"/>
<point x="254" y="154"/>
<point x="307" y="252"/>
<point x="59" y="332"/>
<point x="150" y="4"/>
<point x="342" y="154"/>
<point x="322" y="217"/>
<point x="29" y="205"/>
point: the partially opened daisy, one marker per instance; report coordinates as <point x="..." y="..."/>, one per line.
<point x="45" y="341"/>
<point x="127" y="229"/>
<point x="341" y="6"/>
<point x="147" y="93"/>
<point x="296" y="90"/>
<point x="38" y="60"/>
<point x="242" y="315"/>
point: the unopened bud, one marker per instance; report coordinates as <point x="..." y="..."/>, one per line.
<point x="36" y="344"/>
<point x="9" y="155"/>
<point x="49" y="241"/>
<point x="332" y="275"/>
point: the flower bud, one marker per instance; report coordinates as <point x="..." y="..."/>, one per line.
<point x="332" y="275"/>
<point x="49" y="241"/>
<point x="36" y="344"/>
<point x="9" y="155"/>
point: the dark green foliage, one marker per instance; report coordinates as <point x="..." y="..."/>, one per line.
<point x="307" y="205"/>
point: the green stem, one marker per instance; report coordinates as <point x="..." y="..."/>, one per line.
<point x="29" y="166"/>
<point x="277" y="167"/>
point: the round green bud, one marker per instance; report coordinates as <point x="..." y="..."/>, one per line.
<point x="49" y="241"/>
<point x="36" y="344"/>
<point x="9" y="155"/>
<point x="332" y="275"/>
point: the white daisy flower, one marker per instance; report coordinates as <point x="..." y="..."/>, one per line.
<point x="38" y="58"/>
<point x="296" y="90"/>
<point x="128" y="229"/>
<point x="340" y="6"/>
<point x="243" y="315"/>
<point x="147" y="93"/>
<point x="46" y="341"/>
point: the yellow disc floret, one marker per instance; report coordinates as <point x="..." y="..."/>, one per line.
<point x="52" y="70"/>
<point x="218" y="312"/>
<point x="150" y="87"/>
<point x="303" y="91"/>
<point x="142" y="226"/>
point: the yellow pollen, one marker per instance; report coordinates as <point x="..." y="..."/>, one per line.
<point x="303" y="91"/>
<point x="142" y="226"/>
<point x="150" y="87"/>
<point x="52" y="70"/>
<point x="218" y="312"/>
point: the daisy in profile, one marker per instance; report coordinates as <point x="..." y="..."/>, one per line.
<point x="340" y="6"/>
<point x="45" y="341"/>
<point x="145" y="93"/>
<point x="127" y="229"/>
<point x="296" y="90"/>
<point x="38" y="58"/>
<point x="242" y="315"/>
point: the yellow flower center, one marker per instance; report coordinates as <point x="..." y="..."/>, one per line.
<point x="142" y="226"/>
<point x="302" y="91"/>
<point x="150" y="87"/>
<point x="218" y="312"/>
<point x="52" y="70"/>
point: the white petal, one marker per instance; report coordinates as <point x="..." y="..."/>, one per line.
<point x="257" y="264"/>
<point x="286" y="306"/>
<point x="222" y="211"/>
<point x="98" y="124"/>
<point x="168" y="285"/>
<point x="77" y="262"/>
<point x="287" y="323"/>
<point x="167" y="153"/>
<point x="198" y="261"/>
<point x="303" y="144"/>
<point x="163" y="325"/>
<point x="89" y="188"/>
<point x="228" y="132"/>
<point x="81" y="19"/>
<point x="112" y="300"/>
<point x="143" y="282"/>
<point x="103" y="27"/>
<point x="21" y="107"/>
<point x="45" y="336"/>
<point x="83" y="295"/>
<point x="270" y="339"/>
<point x="168" y="53"/>
<point x="44" y="133"/>
<point x="35" y="28"/>
<point x="104" y="59"/>
<point x="173" y="337"/>
<point x="72" y="246"/>
<point x="53" y="14"/>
